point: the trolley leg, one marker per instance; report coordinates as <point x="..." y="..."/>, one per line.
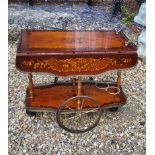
<point x="119" y="79"/>
<point x="74" y="81"/>
<point x="79" y="85"/>
<point x="91" y="78"/>
<point x="31" y="95"/>
<point x="114" y="109"/>
<point x="55" y="79"/>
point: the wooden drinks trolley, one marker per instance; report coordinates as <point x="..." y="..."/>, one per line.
<point x="74" y="54"/>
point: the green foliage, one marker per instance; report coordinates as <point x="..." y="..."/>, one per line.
<point x="127" y="15"/>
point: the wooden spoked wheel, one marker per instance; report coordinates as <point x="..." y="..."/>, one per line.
<point x="78" y="114"/>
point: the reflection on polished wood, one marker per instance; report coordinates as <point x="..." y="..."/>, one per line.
<point x="74" y="52"/>
<point x="75" y="40"/>
<point x="71" y="40"/>
<point x="53" y="96"/>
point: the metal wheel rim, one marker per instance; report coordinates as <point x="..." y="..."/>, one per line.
<point x="58" y="115"/>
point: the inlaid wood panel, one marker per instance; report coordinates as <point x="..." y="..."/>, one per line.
<point x="74" y="66"/>
<point x="74" y="52"/>
<point x="52" y="96"/>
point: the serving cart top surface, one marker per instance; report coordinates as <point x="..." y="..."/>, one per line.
<point x="57" y="41"/>
<point x="74" y="52"/>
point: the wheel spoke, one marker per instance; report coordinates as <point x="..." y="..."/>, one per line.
<point x="85" y="118"/>
<point x="76" y="124"/>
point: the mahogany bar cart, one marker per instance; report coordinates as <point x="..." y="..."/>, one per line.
<point x="74" y="54"/>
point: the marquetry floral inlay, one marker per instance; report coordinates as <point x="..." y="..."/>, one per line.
<point x="75" y="64"/>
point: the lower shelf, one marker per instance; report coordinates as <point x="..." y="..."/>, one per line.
<point x="49" y="98"/>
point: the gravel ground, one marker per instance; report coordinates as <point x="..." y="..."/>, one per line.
<point x="122" y="132"/>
